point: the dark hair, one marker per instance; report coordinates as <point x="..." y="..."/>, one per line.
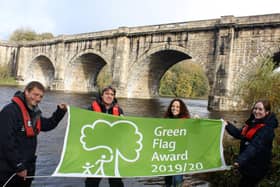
<point x="108" y="88"/>
<point x="266" y="104"/>
<point x="34" y="84"/>
<point x="184" y="112"/>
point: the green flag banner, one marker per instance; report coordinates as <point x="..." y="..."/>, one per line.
<point x="102" y="145"/>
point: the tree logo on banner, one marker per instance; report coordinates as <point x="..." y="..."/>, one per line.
<point x="113" y="150"/>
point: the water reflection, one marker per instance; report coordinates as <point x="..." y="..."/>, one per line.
<point x="50" y="144"/>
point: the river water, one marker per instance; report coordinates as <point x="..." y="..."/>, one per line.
<point x="50" y="143"/>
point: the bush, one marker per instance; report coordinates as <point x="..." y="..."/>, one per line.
<point x="5" y="76"/>
<point x="4" y="72"/>
<point x="262" y="82"/>
<point x="26" y="34"/>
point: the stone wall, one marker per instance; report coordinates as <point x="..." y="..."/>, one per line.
<point x="137" y="57"/>
<point x="9" y="56"/>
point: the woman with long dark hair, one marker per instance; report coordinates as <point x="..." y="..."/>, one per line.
<point x="176" y="109"/>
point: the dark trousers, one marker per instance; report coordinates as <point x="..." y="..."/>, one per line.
<point x="16" y="181"/>
<point x="94" y="182"/>
<point x="173" y="180"/>
<point x="248" y="181"/>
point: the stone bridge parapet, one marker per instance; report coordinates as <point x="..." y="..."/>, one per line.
<point x="138" y="57"/>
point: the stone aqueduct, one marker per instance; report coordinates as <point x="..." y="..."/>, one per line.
<point x="137" y="57"/>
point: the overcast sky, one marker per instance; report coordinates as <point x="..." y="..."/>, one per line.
<point x="81" y="16"/>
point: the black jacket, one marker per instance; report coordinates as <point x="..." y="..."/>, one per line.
<point x="17" y="151"/>
<point x="255" y="155"/>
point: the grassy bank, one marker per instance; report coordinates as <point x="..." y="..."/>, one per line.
<point x="6" y="77"/>
<point x="8" y="81"/>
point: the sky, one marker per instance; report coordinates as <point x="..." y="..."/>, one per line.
<point x="82" y="16"/>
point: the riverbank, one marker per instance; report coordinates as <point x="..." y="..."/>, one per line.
<point x="8" y="82"/>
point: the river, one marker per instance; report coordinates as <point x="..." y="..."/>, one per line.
<point x="50" y="143"/>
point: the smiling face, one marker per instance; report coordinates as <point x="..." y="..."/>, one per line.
<point x="259" y="111"/>
<point x="33" y="97"/>
<point x="108" y="96"/>
<point x="175" y="108"/>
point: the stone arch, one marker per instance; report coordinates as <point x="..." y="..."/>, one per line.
<point x="195" y="59"/>
<point x="82" y="70"/>
<point x="148" y="70"/>
<point x="41" y="68"/>
<point x="93" y="51"/>
<point x="46" y="55"/>
<point x="161" y="48"/>
<point x="270" y="52"/>
<point x="245" y="66"/>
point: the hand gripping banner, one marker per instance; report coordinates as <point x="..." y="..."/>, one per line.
<point x="102" y="145"/>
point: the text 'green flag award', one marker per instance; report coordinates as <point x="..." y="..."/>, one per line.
<point x="102" y="145"/>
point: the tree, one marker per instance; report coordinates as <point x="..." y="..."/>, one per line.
<point x="23" y="34"/>
<point x="45" y="36"/>
<point x="184" y="86"/>
<point x="113" y="150"/>
<point x="167" y="84"/>
<point x="184" y="80"/>
<point x="262" y="82"/>
<point x="104" y="78"/>
<point x="26" y="34"/>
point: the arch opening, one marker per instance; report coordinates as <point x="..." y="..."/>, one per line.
<point x="185" y="79"/>
<point x="41" y="69"/>
<point x="276" y="59"/>
<point x="148" y="73"/>
<point x="81" y="74"/>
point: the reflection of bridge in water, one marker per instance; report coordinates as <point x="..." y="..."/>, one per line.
<point x="137" y="57"/>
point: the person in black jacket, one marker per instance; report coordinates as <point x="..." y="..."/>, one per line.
<point x="256" y="138"/>
<point x="107" y="103"/>
<point x="21" y="122"/>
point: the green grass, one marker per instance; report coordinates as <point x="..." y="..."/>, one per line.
<point x="8" y="81"/>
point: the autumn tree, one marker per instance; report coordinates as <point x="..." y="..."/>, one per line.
<point x="184" y="80"/>
<point x="262" y="82"/>
<point x="167" y="86"/>
<point x="26" y="34"/>
<point x="104" y="78"/>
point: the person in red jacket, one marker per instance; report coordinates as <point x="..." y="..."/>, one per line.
<point x="21" y="122"/>
<point x="106" y="103"/>
<point x="176" y="109"/>
<point x="256" y="137"/>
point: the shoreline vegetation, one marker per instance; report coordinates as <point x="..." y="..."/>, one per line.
<point x="8" y="82"/>
<point x="261" y="82"/>
<point x="6" y="77"/>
